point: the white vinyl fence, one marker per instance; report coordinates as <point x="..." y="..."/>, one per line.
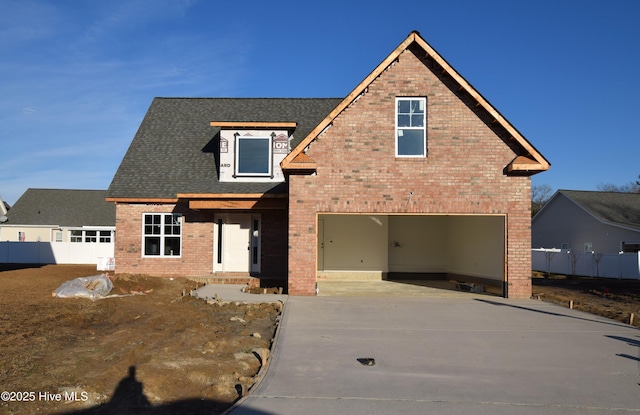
<point x="55" y="252"/>
<point x="562" y="261"/>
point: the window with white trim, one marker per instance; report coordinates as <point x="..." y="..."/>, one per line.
<point x="91" y="236"/>
<point x="253" y="156"/>
<point x="105" y="236"/>
<point x="411" y="127"/>
<point x="76" y="235"/>
<point x="87" y="236"/>
<point x="162" y="234"/>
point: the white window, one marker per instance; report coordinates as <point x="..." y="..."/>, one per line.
<point x="162" y="234"/>
<point x="588" y="247"/>
<point x="105" y="236"/>
<point x="58" y="236"/>
<point x="90" y="236"/>
<point x="253" y="156"/>
<point x="411" y="131"/>
<point x="76" y="235"/>
<point x="87" y="236"/>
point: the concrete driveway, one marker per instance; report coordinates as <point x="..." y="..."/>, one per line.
<point x="471" y="355"/>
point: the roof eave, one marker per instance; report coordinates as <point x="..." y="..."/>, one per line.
<point x="526" y="165"/>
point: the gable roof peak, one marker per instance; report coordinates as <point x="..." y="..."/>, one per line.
<point x="530" y="162"/>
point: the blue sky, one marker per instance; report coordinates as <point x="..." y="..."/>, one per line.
<point x="77" y="76"/>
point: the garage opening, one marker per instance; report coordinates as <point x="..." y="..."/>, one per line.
<point x="448" y="252"/>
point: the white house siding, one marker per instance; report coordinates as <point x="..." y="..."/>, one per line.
<point x="564" y="222"/>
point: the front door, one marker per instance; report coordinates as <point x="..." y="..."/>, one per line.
<point x="320" y="244"/>
<point x="238" y="243"/>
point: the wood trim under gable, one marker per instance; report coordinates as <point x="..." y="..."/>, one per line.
<point x="525" y="164"/>
<point x="253" y="124"/>
<point x="288" y="162"/>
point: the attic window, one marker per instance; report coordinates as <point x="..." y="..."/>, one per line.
<point x="411" y="131"/>
<point x="253" y="156"/>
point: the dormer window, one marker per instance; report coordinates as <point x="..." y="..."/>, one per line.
<point x="251" y="151"/>
<point x="253" y="156"/>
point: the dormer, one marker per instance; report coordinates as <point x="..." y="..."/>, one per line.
<point x="252" y="151"/>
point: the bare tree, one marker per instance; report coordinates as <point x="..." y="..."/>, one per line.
<point x="573" y="260"/>
<point x="597" y="257"/>
<point x="631" y="187"/>
<point x="540" y="195"/>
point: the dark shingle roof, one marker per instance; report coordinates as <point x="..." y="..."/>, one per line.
<point x="175" y="148"/>
<point x="611" y="207"/>
<point x="62" y="207"/>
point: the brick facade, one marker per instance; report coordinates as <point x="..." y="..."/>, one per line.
<point x="198" y="238"/>
<point x="357" y="171"/>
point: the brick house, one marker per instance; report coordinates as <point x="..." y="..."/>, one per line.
<point x="413" y="173"/>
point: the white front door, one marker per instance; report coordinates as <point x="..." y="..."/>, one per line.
<point x="237" y="244"/>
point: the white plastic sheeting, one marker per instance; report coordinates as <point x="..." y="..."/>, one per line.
<point x="93" y="288"/>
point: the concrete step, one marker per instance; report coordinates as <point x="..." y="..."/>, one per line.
<point x="350" y="275"/>
<point x="387" y="289"/>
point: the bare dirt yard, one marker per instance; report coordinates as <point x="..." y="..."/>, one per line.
<point x="153" y="352"/>
<point x="616" y="299"/>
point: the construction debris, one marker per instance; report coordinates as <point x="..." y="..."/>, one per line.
<point x="93" y="288"/>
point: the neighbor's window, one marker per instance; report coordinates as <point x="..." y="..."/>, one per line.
<point x="105" y="236"/>
<point x="90" y="236"/>
<point x="411" y="131"/>
<point x="253" y="156"/>
<point x="76" y="236"/>
<point x="162" y="234"/>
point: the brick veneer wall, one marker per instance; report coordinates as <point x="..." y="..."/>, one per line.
<point x="359" y="173"/>
<point x="197" y="242"/>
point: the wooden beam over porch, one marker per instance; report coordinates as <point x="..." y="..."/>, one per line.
<point x="236" y="201"/>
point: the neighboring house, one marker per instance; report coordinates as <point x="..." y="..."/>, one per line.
<point x="587" y="222"/>
<point x="4" y="208"/>
<point x="58" y="226"/>
<point x="414" y="172"/>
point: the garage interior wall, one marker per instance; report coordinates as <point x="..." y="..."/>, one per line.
<point x="355" y="242"/>
<point x="464" y="245"/>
